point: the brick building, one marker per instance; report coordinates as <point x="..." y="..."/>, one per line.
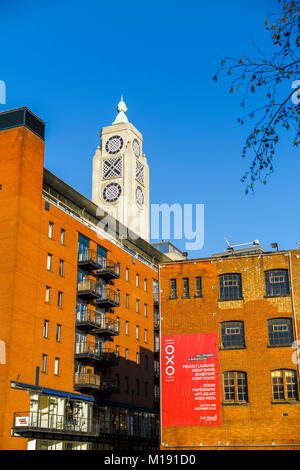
<point x="250" y="299"/>
<point x="76" y="302"/>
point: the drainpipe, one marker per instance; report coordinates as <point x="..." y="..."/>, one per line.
<point x="294" y="315"/>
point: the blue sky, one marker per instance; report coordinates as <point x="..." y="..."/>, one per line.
<point x="69" y="62"/>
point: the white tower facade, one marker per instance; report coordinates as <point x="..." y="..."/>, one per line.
<point x="121" y="175"/>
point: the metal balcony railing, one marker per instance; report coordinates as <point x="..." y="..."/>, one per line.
<point x="108" y="270"/>
<point x="94" y="382"/>
<point x="87" y="289"/>
<point x="90" y="260"/>
<point x="156" y="297"/>
<point x="96" y="323"/>
<point x="156" y="323"/>
<point x="87" y="380"/>
<point x="107" y="297"/>
<point x="92" y="353"/>
<point x="34" y="421"/>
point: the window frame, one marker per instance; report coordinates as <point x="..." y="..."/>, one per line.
<point x="284" y="386"/>
<point x="233" y="324"/>
<point x="186" y="288"/>
<point x="283" y="288"/>
<point x="227" y="292"/>
<point x="271" y="322"/>
<point x="235" y="390"/>
<point x="198" y="291"/>
<point x="173" y="288"/>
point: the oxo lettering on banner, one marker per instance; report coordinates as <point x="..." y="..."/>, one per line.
<point x="190" y="380"/>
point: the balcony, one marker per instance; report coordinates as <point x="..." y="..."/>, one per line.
<point x="108" y="270"/>
<point x="156" y="373"/>
<point x="47" y="425"/>
<point x="91" y="353"/>
<point x="93" y="383"/>
<point x="89" y="260"/>
<point x="107" y="298"/>
<point x="156" y="323"/>
<point x="50" y="426"/>
<point x="95" y="323"/>
<point x="156" y="298"/>
<point x="87" y="290"/>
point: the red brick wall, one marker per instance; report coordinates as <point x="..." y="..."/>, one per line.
<point x="259" y="422"/>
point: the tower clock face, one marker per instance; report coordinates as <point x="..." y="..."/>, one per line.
<point x="139" y="196"/>
<point x="136" y="148"/>
<point x="114" y="144"/>
<point x="112" y="192"/>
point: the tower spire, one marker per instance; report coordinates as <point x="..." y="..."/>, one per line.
<point x="121" y="108"/>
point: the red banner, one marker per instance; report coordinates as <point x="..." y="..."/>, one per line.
<point x="190" y="380"/>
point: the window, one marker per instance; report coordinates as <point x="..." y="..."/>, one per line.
<point x="62" y="236"/>
<point x="137" y="332"/>
<point x="49" y="262"/>
<point x="230" y="286"/>
<point x="61" y="267"/>
<point x="137" y="280"/>
<point x="118" y="269"/>
<point x="118" y="381"/>
<point x="235" y="387"/>
<point x="145" y="310"/>
<point x="137" y="358"/>
<point x="44" y="363"/>
<point x="198" y="281"/>
<point x="126" y="384"/>
<point x="60" y="299"/>
<point x="46" y="327"/>
<point x="50" y="230"/>
<point x="145" y="285"/>
<point x="126" y="354"/>
<point x="127" y="274"/>
<point x="232" y="334"/>
<point x="47" y="294"/>
<point x="277" y="282"/>
<point x="58" y="333"/>
<point x="186" y="287"/>
<point x="127" y="328"/>
<point x="146" y="336"/>
<point x="56" y="366"/>
<point x="47" y="205"/>
<point x="118" y="324"/>
<point x="137" y="306"/>
<point x="146" y="389"/>
<point x="117" y="350"/>
<point x="280" y="332"/>
<point x="146" y="362"/>
<point x="284" y="385"/>
<point x="137" y="386"/>
<point x="127" y="300"/>
<point x="173" y="289"/>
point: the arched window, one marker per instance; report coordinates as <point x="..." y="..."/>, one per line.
<point x="280" y="332"/>
<point x="230" y="286"/>
<point x="277" y="282"/>
<point x="235" y="388"/>
<point x="284" y="385"/>
<point x="232" y="334"/>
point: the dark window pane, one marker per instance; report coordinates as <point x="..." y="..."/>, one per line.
<point x="230" y="286"/>
<point x="280" y="332"/>
<point x="277" y="282"/>
<point x="198" y="286"/>
<point x="173" y="289"/>
<point x="232" y="334"/>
